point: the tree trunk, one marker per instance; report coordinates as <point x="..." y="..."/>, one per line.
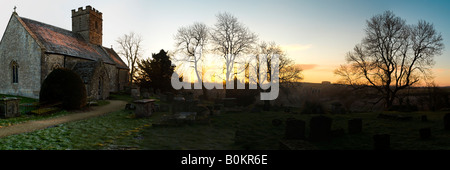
<point x="389" y="100"/>
<point x="205" y="93"/>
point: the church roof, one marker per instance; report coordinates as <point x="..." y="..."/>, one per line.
<point x="56" y="40"/>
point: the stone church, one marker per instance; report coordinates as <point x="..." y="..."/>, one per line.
<point x="30" y="50"/>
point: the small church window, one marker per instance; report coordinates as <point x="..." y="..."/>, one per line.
<point x="100" y="87"/>
<point x="15" y="72"/>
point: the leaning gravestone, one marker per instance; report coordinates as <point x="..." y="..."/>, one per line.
<point x="320" y="128"/>
<point x="447" y="121"/>
<point x="381" y="142"/>
<point x="354" y="126"/>
<point x="295" y="129"/>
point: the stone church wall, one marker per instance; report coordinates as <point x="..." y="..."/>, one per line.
<point x="72" y="61"/>
<point x="18" y="46"/>
<point x="51" y="62"/>
<point x="113" y="77"/>
<point x="123" y="79"/>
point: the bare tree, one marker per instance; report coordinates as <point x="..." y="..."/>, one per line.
<point x="230" y="39"/>
<point x="289" y="73"/>
<point x="191" y="41"/>
<point x="130" y="48"/>
<point x="392" y="56"/>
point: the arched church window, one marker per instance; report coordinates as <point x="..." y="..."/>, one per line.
<point x="15" y="72"/>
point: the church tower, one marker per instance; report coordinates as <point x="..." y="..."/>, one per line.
<point x="89" y="23"/>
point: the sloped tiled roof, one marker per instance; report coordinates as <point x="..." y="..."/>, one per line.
<point x="61" y="41"/>
<point x="115" y="57"/>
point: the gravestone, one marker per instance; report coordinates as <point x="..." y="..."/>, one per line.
<point x="447" y="121"/>
<point x="320" y="128"/>
<point x="135" y="92"/>
<point x="144" y="107"/>
<point x="381" y="142"/>
<point x="354" y="126"/>
<point x="425" y="133"/>
<point x="295" y="129"/>
<point x="9" y="107"/>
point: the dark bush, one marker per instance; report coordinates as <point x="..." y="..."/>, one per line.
<point x="63" y="85"/>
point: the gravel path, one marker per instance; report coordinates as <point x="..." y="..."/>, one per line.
<point x="31" y="126"/>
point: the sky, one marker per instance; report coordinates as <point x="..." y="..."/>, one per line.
<point x="317" y="34"/>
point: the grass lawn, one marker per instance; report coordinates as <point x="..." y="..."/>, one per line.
<point x="90" y="134"/>
<point x="27" y="117"/>
<point x="257" y="133"/>
<point x="121" y="130"/>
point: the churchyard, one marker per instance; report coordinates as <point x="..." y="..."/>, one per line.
<point x="179" y="122"/>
